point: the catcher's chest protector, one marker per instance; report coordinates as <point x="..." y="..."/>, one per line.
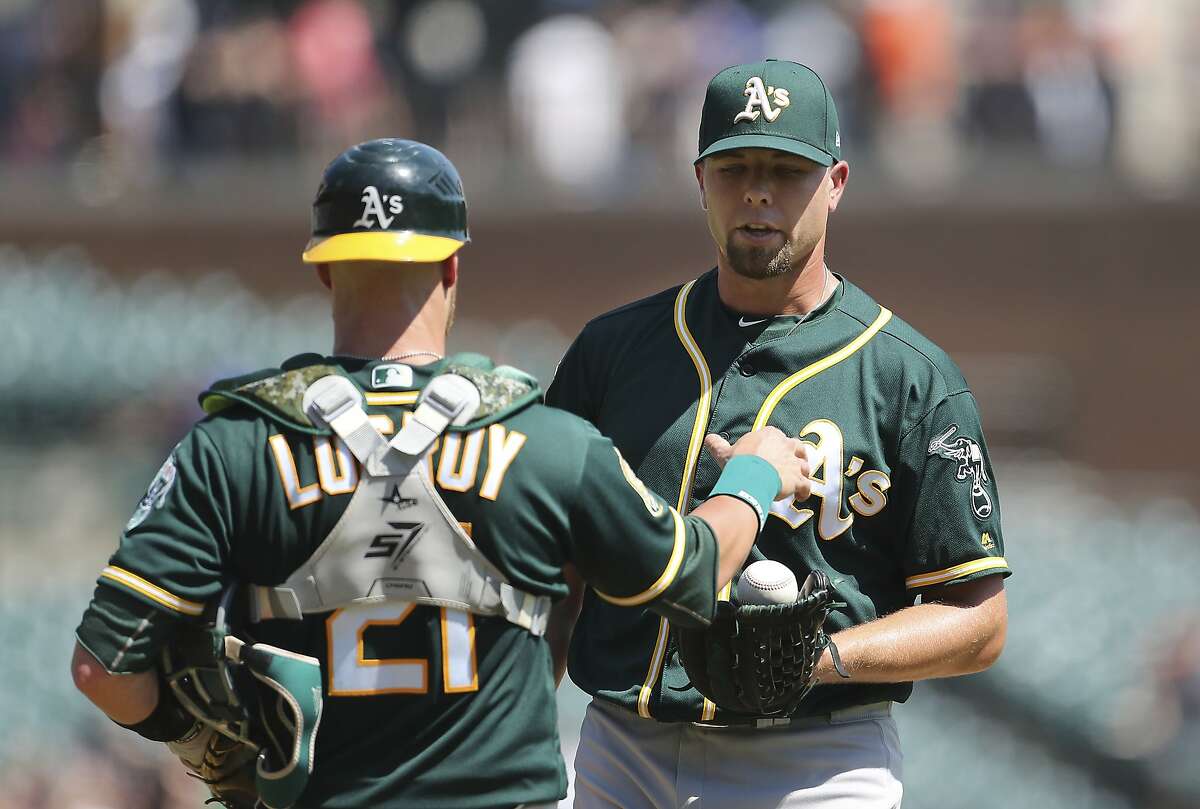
<point x="397" y="539"/>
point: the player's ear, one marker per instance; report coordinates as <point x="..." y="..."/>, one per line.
<point x="838" y="175"/>
<point x="450" y="272"/>
<point x="699" y="167"/>
<point x="323" y="275"/>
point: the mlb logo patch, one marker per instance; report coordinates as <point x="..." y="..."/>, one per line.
<point x="391" y="376"/>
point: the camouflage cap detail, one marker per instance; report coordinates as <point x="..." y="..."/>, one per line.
<point x="280" y="396"/>
<point x="278" y="393"/>
<point x="503" y="390"/>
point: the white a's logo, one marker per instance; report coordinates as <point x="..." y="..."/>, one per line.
<point x="762" y="97"/>
<point x="373" y="214"/>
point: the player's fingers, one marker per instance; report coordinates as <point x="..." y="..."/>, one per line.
<point x="805" y="450"/>
<point x="796" y="446"/>
<point x="796" y="483"/>
<point x="718" y="447"/>
<point x="795" y="486"/>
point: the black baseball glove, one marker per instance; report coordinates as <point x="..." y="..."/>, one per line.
<point x="759" y="660"/>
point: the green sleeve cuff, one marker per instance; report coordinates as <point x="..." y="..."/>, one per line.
<point x="752" y="480"/>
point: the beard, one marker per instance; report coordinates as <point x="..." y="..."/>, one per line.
<point x="760" y="262"/>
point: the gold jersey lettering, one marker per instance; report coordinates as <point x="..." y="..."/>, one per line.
<point x="297" y="495"/>
<point x="459" y="463"/>
<point x="652" y="503"/>
<point x="503" y="446"/>
<point x="336" y="469"/>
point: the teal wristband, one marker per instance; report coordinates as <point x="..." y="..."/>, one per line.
<point x="752" y="480"/>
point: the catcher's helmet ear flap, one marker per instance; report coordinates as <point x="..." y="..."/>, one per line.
<point x="388" y="200"/>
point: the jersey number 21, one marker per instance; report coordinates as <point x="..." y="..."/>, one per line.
<point x="355" y="675"/>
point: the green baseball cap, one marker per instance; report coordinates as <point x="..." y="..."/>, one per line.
<point x="773" y="104"/>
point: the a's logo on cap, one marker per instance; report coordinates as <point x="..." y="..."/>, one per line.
<point x="373" y="204"/>
<point x="761" y="96"/>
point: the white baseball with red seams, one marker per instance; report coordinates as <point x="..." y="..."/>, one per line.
<point x="767" y="582"/>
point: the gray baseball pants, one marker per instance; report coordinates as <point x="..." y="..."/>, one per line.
<point x="848" y="760"/>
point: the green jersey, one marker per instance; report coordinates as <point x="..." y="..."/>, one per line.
<point x="904" y="498"/>
<point x="424" y="706"/>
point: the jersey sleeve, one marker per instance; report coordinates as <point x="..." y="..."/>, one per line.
<point x="169" y="561"/>
<point x="634" y="549"/>
<point x="954" y="530"/>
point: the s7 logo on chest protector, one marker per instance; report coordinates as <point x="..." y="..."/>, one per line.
<point x="831" y="476"/>
<point x="395" y="545"/>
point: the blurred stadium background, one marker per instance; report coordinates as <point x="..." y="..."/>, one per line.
<point x="1023" y="190"/>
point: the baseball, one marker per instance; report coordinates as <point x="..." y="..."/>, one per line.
<point x="767" y="582"/>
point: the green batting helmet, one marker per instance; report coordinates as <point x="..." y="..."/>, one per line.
<point x="388" y="200"/>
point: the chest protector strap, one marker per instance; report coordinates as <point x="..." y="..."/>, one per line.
<point x="397" y="540"/>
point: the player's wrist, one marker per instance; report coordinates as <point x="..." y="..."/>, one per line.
<point x="168" y="722"/>
<point x="751" y="479"/>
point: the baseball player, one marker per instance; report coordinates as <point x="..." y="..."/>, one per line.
<point x="396" y="524"/>
<point x="903" y="508"/>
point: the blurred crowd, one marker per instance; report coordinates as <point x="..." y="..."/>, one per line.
<point x="592" y="95"/>
<point x="106" y="771"/>
<point x="1158" y="716"/>
<point x="591" y="91"/>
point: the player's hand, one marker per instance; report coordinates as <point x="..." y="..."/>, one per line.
<point x="791" y="457"/>
<point x="226" y="766"/>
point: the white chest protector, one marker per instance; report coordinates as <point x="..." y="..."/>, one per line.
<point x="397" y="540"/>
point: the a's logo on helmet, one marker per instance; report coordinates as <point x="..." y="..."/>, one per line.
<point x="761" y="96"/>
<point x="373" y="215"/>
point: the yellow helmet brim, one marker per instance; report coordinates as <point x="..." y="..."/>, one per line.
<point x="380" y="246"/>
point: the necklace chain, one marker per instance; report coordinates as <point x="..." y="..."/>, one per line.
<point x="408" y="354"/>
<point x="820" y="303"/>
<point x="821" y="300"/>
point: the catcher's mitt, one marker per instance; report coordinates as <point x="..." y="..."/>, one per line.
<point x="257" y="709"/>
<point x="225" y="765"/>
<point x="759" y="660"/>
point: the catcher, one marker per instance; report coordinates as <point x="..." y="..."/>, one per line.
<point x="336" y="589"/>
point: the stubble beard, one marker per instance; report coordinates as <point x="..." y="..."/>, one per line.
<point x="759" y="263"/>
